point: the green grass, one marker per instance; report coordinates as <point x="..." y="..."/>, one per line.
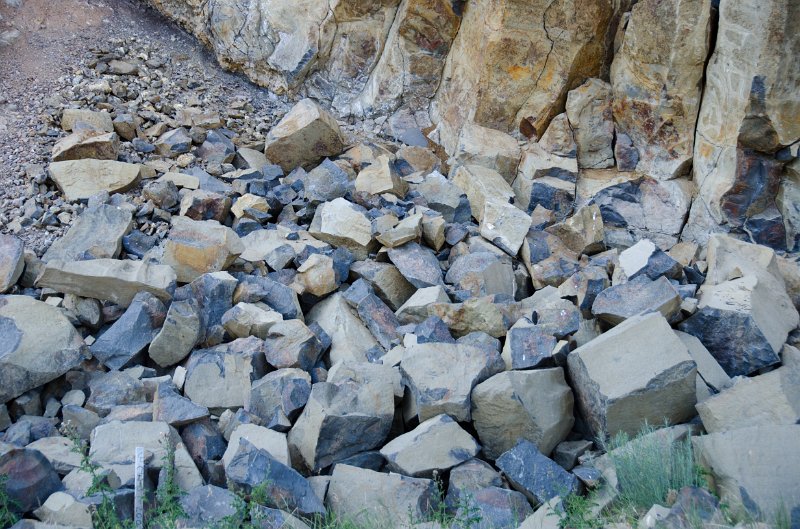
<point x="649" y="466"/>
<point x="8" y="507"/>
<point x="578" y="514"/>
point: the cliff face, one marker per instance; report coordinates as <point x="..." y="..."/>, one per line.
<point x="701" y="106"/>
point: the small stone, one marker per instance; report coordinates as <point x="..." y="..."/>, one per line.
<point x="173" y="143"/>
<point x="482" y="186"/>
<point x="567" y="453"/>
<point x="182" y="180"/>
<point x="305" y="135"/>
<point x="547" y="181"/>
<point x="250" y="206"/>
<point x="407" y="230"/>
<point x="60" y="451"/>
<point x="475" y="314"/>
<point x="376" y="315"/>
<point x="533" y="474"/>
<point x="436" y="445"/>
<point x="505" y="225"/>
<point x="445" y="197"/>
<point x="207" y="506"/>
<point x="163" y="193"/>
<point x="82" y="179"/>
<point x="707" y="367"/>
<point x="386" y="280"/>
<point x="217" y="147"/>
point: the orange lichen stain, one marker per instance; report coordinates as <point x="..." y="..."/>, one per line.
<point x="705" y="150"/>
<point x="519" y="72"/>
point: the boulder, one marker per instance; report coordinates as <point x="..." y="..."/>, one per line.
<point x="482" y="273"/>
<point x="656" y="80"/>
<point x="477" y="314"/>
<point x="540" y="479"/>
<point x="707" y="367"/>
<point x="441" y="376"/>
<point x="386" y="280"/>
<point x="96" y="234"/>
<point x="282" y="393"/>
<point x="247" y="319"/>
<point x="261" y="244"/>
<point x="261" y="438"/>
<point x="646" y="259"/>
<point x="61" y="509"/>
<point x="217" y="147"/>
<point x="121" y="344"/>
<point x="591" y="118"/>
<point x="638" y="371"/>
<point x="769" y="399"/>
<point x="222" y="376"/>
<point x="174" y="409"/>
<point x="415" y="309"/>
<point x="12" y="261"/>
<point x="173" y="143"/>
<point x="98" y="120"/>
<point x="250" y="206"/>
<point x="640" y="296"/>
<point x="407" y="230"/>
<point x="482" y="186"/>
<point x="505" y="225"/>
<point x="60" y="451"/>
<point x="316" y="276"/>
<point x="445" y="197"/>
<point x="366" y="496"/>
<point x="496" y="508"/>
<point x="747" y="114"/>
<point x="200" y="204"/>
<point x="342" y="223"/>
<point x="341" y="420"/>
<point x="207" y="505"/>
<point x="530" y="60"/>
<point x="762" y="480"/>
<point x="545" y="180"/>
<point x="489" y="148"/>
<point x="31" y="478"/>
<point x="533" y="405"/>
<point x="195" y="247"/>
<point x="40" y="344"/>
<point x="87" y="144"/>
<point x="303" y="137"/>
<point x="741" y="324"/>
<point x="381" y="177"/>
<point x="179" y="334"/>
<point x="528" y="346"/>
<point x="326" y="182"/>
<point x="114" y="389"/>
<point x="114" y="280"/>
<point x="583" y="232"/>
<point x="81" y="179"/>
<point x="436" y="445"/>
<point x="418" y="264"/>
<point x="251" y="466"/>
<point x="350" y="338"/>
<point x="291" y="343"/>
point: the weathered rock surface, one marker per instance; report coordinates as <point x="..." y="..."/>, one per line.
<point x="590" y="116"/>
<point x="656" y="79"/>
<point x="96" y="234"/>
<point x="342" y="223"/>
<point x="31" y="478"/>
<point x="87" y="144"/>
<point x="441" y="377"/>
<point x="749" y="101"/>
<point x="39" y="344"/>
<point x="12" y="261"/>
<point x="80" y="179"/>
<point x="533" y="405"/>
<point x="364" y="495"/>
<point x="437" y="444"/>
<point x="533" y="474"/>
<point x="305" y="135"/>
<point x="109" y="279"/>
<point x="196" y="247"/>
<point x="760" y="480"/>
<point x="640" y="296"/>
<point x="639" y="371"/>
<point x="178" y="335"/>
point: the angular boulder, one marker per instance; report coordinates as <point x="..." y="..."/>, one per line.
<point x="533" y="405"/>
<point x="81" y="179"/>
<point x="591" y="118"/>
<point x="638" y="371"/>
<point x="540" y="479"/>
<point x="12" y="261"/>
<point x="39" y="345"/>
<point x="195" y="247"/>
<point x="342" y="223"/>
<point x="96" y="234"/>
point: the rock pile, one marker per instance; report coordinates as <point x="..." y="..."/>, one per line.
<point x="372" y="329"/>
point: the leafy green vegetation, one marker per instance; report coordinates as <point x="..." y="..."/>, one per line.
<point x="8" y="507"/>
<point x="578" y="514"/>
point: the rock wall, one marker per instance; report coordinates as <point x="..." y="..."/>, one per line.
<point x="703" y="94"/>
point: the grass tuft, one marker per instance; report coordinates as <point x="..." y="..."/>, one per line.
<point x="8" y="507"/>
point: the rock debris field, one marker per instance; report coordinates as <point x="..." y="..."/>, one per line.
<point x="322" y="311"/>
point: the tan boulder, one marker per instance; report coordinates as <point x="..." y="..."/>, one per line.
<point x="489" y="148"/>
<point x="304" y="136"/>
<point x="342" y="223"/>
<point x="195" y="247"/>
<point x="657" y="78"/>
<point x="482" y="185"/>
<point x="80" y="179"/>
<point x="87" y="144"/>
<point x="381" y="177"/>
<point x="99" y="120"/>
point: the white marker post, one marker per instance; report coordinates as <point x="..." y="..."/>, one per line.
<point x="138" y="492"/>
